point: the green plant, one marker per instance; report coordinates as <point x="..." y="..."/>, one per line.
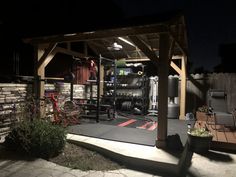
<point x="199" y="140"/>
<point x="38" y="138"/>
<point x="200" y="132"/>
<point x="203" y="108"/>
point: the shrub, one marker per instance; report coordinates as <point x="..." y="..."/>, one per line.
<point x="37" y="138"/>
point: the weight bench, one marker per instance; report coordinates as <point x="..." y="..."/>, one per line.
<point x="90" y="107"/>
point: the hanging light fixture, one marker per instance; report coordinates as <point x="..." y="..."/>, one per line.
<point x="115" y="47"/>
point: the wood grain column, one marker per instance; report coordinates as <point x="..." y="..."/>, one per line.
<point x="163" y="72"/>
<point x="44" y="54"/>
<point x="183" y="88"/>
<point x="40" y="76"/>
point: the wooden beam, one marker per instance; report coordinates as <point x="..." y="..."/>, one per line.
<point x="35" y="84"/>
<point x="163" y="72"/>
<point x="177" y="30"/>
<point x="70" y="52"/>
<point x="145" y="49"/>
<point x="54" y="78"/>
<point x="171" y="51"/>
<point x="48" y="50"/>
<point x="48" y="59"/>
<point x="175" y="67"/>
<point x="136" y="59"/>
<point x="119" y="32"/>
<point x="52" y="50"/>
<point x="182" y="73"/>
<point x="183" y="88"/>
<point x="179" y="44"/>
<point x="177" y="57"/>
<point x="41" y="83"/>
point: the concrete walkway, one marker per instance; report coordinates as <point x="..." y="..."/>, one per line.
<point x="43" y="168"/>
<point x="142" y="160"/>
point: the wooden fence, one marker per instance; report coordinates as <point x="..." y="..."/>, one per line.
<point x="199" y="84"/>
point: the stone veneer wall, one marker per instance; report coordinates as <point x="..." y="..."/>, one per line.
<point x="79" y="91"/>
<point x="12" y="99"/>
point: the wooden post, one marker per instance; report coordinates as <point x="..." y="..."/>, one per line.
<point x="41" y="83"/>
<point x="98" y="88"/>
<point x="101" y="80"/>
<point x="36" y="84"/>
<point x="183" y="88"/>
<point x="44" y="54"/>
<point x="163" y="71"/>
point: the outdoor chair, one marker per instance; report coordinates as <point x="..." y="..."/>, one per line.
<point x="219" y="113"/>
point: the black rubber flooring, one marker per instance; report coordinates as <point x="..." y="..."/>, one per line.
<point x="116" y="133"/>
<point x="138" y="131"/>
<point x="130" y="123"/>
<point x="176" y="126"/>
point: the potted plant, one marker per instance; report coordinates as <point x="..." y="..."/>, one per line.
<point x="202" y="112"/>
<point x="199" y="139"/>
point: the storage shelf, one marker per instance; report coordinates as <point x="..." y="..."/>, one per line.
<point x="132" y="82"/>
<point x="125" y="87"/>
<point x="124" y="97"/>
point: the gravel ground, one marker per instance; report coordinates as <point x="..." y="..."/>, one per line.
<point x="76" y="157"/>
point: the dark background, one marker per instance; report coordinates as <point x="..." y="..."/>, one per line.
<point x="211" y="27"/>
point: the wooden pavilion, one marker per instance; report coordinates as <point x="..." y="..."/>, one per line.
<point x="162" y="41"/>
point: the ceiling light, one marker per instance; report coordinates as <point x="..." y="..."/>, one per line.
<point x="72" y="34"/>
<point x="115" y="46"/>
<point x="126" y="41"/>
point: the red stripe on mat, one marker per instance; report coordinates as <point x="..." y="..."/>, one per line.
<point x="127" y="123"/>
<point x="153" y="126"/>
<point x="144" y="126"/>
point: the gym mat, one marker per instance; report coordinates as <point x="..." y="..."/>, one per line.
<point x="132" y="123"/>
<point x="115" y="133"/>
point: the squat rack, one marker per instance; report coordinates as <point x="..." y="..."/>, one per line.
<point x="98" y="81"/>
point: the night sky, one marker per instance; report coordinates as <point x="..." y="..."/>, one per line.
<point x="209" y="22"/>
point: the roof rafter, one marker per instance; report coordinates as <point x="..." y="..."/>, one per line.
<point x="145" y="49"/>
<point x="147" y="29"/>
<point x="70" y="52"/>
<point x="46" y="53"/>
